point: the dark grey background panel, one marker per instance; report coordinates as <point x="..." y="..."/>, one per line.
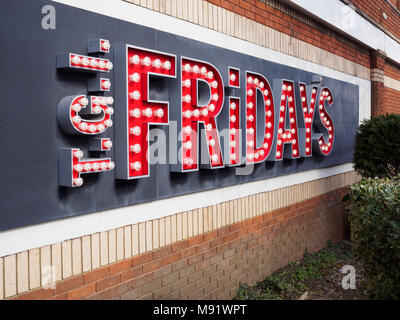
<point x="32" y="87"/>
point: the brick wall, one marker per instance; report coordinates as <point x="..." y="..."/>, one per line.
<point x="374" y="9"/>
<point x="277" y="15"/>
<point x="211" y="265"/>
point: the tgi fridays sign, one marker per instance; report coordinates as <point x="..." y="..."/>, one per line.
<point x="203" y="96"/>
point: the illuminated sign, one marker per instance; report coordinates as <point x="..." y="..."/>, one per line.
<point x="101" y="113"/>
<point x="196" y="107"/>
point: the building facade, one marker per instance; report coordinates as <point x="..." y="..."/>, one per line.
<point x="182" y="233"/>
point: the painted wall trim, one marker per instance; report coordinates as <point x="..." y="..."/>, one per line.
<point x="17" y="240"/>
<point x="333" y="12"/>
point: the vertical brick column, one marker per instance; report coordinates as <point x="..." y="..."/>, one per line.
<point x="377" y="82"/>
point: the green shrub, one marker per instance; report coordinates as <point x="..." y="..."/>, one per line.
<point x="377" y="147"/>
<point x="375" y="225"/>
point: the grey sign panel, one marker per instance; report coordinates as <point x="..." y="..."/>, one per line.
<point x="32" y="87"/>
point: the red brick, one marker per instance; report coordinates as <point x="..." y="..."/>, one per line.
<point x="69" y="284"/>
<point x="170" y="259"/>
<point x="108" y="282"/>
<point x="142" y="259"/>
<point x="120" y="266"/>
<point x="161" y="252"/>
<point x="96" y="274"/>
<point x="131" y="273"/>
<point x="180" y="245"/>
<point x="151" y="266"/>
<point x="81" y="292"/>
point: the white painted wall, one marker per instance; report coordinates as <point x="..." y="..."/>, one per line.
<point x="13" y="241"/>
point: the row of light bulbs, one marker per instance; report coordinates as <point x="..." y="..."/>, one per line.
<point x="95" y="63"/>
<point x="147" y="62"/>
<point x="147" y="112"/>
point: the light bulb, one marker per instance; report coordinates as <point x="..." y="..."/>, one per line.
<point x="108" y="144"/>
<point x="78" y="182"/>
<point x="211" y="107"/>
<point x="109" y="100"/>
<point x="210" y="75"/>
<point x="146" y="61"/>
<point x="250" y="105"/>
<point x="134" y="77"/>
<point x="96" y="110"/>
<point x="135" y="148"/>
<point x="134" y="59"/>
<point x="188" y="114"/>
<point x="96" y="166"/>
<point x="203" y="70"/>
<point x="157" y="63"/>
<point x="233" y="118"/>
<point x="136" y="166"/>
<point x="187" y="98"/>
<point x="92" y="128"/>
<point x="76" y="60"/>
<point x="109" y="65"/>
<point x="94" y="63"/>
<point x="84" y="102"/>
<point x="233" y="105"/>
<point x="102" y="64"/>
<point x="78" y="167"/>
<point x="76" y="107"/>
<point x="215" y="96"/>
<point x="83" y="126"/>
<point x="187" y="83"/>
<point x="214" y="84"/>
<point x="148" y="112"/>
<point x="250" y="93"/>
<point x="108" y="123"/>
<point x="85" y="62"/>
<point x="104" y="166"/>
<point x="135" y="113"/>
<point x="262" y="85"/>
<point x="250" y="80"/>
<point x="232" y="77"/>
<point x="233" y="131"/>
<point x="136" y="130"/>
<point x="111" y="165"/>
<point x="196" y="112"/>
<point x="101" y="127"/>
<point x="188" y="129"/>
<point x="167" y="65"/>
<point x="87" y="167"/>
<point x="160" y="113"/>
<point x="268" y="102"/>
<point x="105" y="45"/>
<point x="110" y="110"/>
<point x="196" y="69"/>
<point x="187" y="67"/>
<point x="77" y="119"/>
<point x="212" y="142"/>
<point x="135" y="95"/>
